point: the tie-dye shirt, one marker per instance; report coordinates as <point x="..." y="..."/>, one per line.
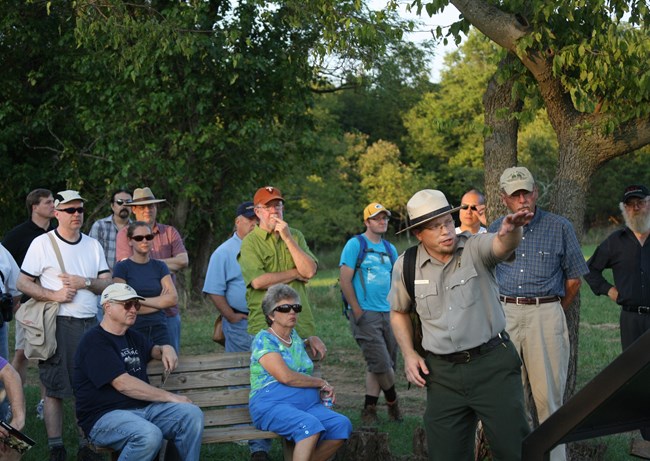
<point x="295" y="356"/>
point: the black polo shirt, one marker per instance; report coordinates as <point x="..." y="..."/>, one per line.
<point x="630" y="263"/>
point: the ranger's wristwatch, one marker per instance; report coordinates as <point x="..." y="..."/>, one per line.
<point x="87" y="282"/>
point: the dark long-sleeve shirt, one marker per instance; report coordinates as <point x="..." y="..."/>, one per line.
<point x="630" y="263"/>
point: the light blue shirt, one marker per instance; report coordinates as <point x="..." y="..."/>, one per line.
<point x="548" y="255"/>
<point x="224" y="277"/>
<point x="376" y="269"/>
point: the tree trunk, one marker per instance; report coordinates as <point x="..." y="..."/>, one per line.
<point x="500" y="149"/>
<point x="569" y="199"/>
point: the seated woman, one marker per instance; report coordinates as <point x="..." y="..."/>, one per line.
<point x="151" y="279"/>
<point x="284" y="397"/>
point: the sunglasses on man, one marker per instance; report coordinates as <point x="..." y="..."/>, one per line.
<point x="72" y="210"/>
<point x="128" y="305"/>
<point x="471" y="207"/>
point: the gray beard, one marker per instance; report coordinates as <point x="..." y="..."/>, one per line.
<point x="639" y="223"/>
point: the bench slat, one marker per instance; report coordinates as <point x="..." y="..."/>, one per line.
<point x="233" y="434"/>
<point x="220" y="361"/>
<point x="218" y="397"/>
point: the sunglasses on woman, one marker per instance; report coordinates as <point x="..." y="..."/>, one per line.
<point x="129" y="304"/>
<point x="285" y="308"/>
<point x="140" y="238"/>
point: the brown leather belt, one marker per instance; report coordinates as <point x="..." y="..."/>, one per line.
<point x="529" y="301"/>
<point x="471" y="354"/>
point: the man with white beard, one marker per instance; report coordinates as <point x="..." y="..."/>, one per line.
<point x="627" y="252"/>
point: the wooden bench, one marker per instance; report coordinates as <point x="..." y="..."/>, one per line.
<point x="208" y="380"/>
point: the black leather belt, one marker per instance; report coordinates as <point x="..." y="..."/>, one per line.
<point x="529" y="301"/>
<point x="471" y="354"/>
<point x="637" y="309"/>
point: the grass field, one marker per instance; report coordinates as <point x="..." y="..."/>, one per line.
<point x="344" y="368"/>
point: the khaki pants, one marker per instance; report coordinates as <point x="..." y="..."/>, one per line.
<point x="540" y="335"/>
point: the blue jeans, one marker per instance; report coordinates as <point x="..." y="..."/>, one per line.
<point x="138" y="433"/>
<point x="238" y="340"/>
<point x="174" y="331"/>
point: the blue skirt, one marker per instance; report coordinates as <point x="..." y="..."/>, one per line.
<point x="296" y="413"/>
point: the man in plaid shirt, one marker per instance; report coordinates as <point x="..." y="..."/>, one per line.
<point x="535" y="289"/>
<point x="105" y="230"/>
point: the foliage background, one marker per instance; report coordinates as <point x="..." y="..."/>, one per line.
<point x="205" y="101"/>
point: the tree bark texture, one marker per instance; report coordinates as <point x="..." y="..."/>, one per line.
<point x="500" y="144"/>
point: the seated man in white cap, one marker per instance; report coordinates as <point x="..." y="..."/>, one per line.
<point x="167" y="246"/>
<point x="115" y="404"/>
<point x="470" y="368"/>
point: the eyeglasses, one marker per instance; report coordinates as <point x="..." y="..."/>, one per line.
<point x="140" y="238"/>
<point x="636" y="203"/>
<point x="285" y="308"/>
<point x="279" y="206"/>
<point x="380" y="218"/>
<point x="470" y="207"/>
<point x="439" y="227"/>
<point x="72" y="210"/>
<point x="129" y="304"/>
<point x="120" y="201"/>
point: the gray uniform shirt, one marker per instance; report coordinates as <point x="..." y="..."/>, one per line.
<point x="458" y="301"/>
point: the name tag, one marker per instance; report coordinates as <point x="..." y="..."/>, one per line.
<point x="421" y="282"/>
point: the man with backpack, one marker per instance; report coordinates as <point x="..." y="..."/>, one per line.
<point x="365" y="272"/>
<point x="466" y="361"/>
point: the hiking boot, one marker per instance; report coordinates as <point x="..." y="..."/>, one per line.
<point x="58" y="453"/>
<point x="369" y="415"/>
<point x="260" y="456"/>
<point x="394" y="414"/>
<point x="88" y="454"/>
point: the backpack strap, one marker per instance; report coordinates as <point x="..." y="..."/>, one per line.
<point x="389" y="251"/>
<point x="410" y="256"/>
<point x="408" y="272"/>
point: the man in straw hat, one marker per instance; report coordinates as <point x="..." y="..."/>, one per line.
<point x="167" y="247"/>
<point x="75" y="287"/>
<point x="535" y="289"/>
<point x="470" y="368"/>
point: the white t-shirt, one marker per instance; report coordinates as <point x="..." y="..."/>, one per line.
<point x="481" y="230"/>
<point x="84" y="258"/>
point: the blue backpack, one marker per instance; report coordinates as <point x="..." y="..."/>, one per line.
<point x="363" y="251"/>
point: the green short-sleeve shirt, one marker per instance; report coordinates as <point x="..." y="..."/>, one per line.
<point x="263" y="252"/>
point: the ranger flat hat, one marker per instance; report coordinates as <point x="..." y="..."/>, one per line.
<point x="426" y="205"/>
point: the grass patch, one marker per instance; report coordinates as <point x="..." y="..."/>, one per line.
<point x="345" y="368"/>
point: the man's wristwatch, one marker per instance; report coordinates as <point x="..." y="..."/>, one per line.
<point x="87" y="282"/>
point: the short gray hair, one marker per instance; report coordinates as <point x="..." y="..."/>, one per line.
<point x="275" y="294"/>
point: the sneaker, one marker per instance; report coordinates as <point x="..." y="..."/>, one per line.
<point x="369" y="415"/>
<point x="58" y="453"/>
<point x="88" y="454"/>
<point x="39" y="409"/>
<point x="394" y="413"/>
<point x="260" y="456"/>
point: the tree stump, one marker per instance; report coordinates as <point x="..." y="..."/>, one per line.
<point x="365" y="444"/>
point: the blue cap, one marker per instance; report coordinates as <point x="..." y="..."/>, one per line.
<point x="246" y="210"/>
